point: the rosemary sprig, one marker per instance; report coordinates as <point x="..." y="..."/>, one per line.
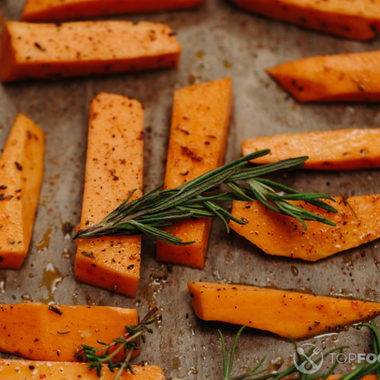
<point x="253" y="374"/>
<point x="126" y="343"/>
<point x="158" y="209"/>
<point x="358" y="373"/>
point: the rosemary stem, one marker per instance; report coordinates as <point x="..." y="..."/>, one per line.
<point x="125" y="364"/>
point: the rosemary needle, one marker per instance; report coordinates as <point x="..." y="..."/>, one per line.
<point x="157" y="210"/>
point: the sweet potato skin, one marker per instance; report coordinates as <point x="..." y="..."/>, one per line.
<point x="40" y="332"/>
<point x="53" y="51"/>
<point x="355" y="19"/>
<point x="343" y="77"/>
<point x="343" y="149"/>
<point x="114" y="167"/>
<point x="282" y="312"/>
<point x="58" y="10"/>
<point x="198" y="137"/>
<point x="21" y="174"/>
<point x="31" y="370"/>
<point x="357" y="222"/>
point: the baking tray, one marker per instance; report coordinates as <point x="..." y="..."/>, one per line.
<point x="218" y="40"/>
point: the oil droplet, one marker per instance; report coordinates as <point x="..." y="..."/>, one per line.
<point x="192" y="79"/>
<point x="193" y="371"/>
<point x="305" y="289"/>
<point x="26" y="298"/>
<point x="3" y="281"/>
<point x="30" y="275"/>
<point x="89" y="300"/>
<point x="75" y="299"/>
<point x="45" y="241"/>
<point x="157" y="281"/>
<point x="67" y="254"/>
<point x="191" y="329"/>
<point x="67" y="228"/>
<point x="276" y="364"/>
<point x="176" y="363"/>
<point x="347" y="260"/>
<point x="342" y="293"/>
<point x="294" y="271"/>
<point x="200" y="54"/>
<point x="227" y="64"/>
<point x="51" y="278"/>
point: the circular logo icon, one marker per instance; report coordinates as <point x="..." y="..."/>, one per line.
<point x="308" y="365"/>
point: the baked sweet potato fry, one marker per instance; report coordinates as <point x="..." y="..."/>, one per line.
<point x="31" y="370"/>
<point x="58" y="10"/>
<point x="52" y="51"/>
<point x="344" y="149"/>
<point x="356" y="19"/>
<point x="198" y="137"/>
<point x="285" y="313"/>
<point x="114" y="167"/>
<point x="357" y="222"/>
<point x="343" y="77"/>
<point x="21" y="174"/>
<point x="56" y="333"/>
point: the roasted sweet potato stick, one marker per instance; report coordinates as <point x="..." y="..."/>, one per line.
<point x="282" y="312"/>
<point x="356" y="19"/>
<point x="56" y="333"/>
<point x="344" y="149"/>
<point x="200" y="121"/>
<point x="344" y="77"/>
<point x="357" y="222"/>
<point x="31" y="370"/>
<point x="58" y="10"/>
<point x="336" y="377"/>
<point x="21" y="173"/>
<point x="114" y="167"/>
<point x="52" y="51"/>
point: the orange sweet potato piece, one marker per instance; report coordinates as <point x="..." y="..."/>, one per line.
<point x="198" y="137"/>
<point x="51" y="51"/>
<point x="344" y="149"/>
<point x="61" y="10"/>
<point x="357" y="222"/>
<point x="114" y="167"/>
<point x="343" y="77"/>
<point x="285" y="313"/>
<point x="367" y="377"/>
<point x="30" y="370"/>
<point x="356" y="19"/>
<point x="21" y="173"/>
<point x="42" y="332"/>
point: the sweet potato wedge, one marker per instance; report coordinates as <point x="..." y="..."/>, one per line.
<point x="114" y="167"/>
<point x="31" y="370"/>
<point x="344" y="149"/>
<point x="342" y="77"/>
<point x="198" y="137"/>
<point x="42" y="332"/>
<point x="58" y="10"/>
<point x="52" y="51"/>
<point x="357" y="222"/>
<point x="355" y="19"/>
<point x="21" y="173"/>
<point x="367" y="377"/>
<point x="285" y="313"/>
